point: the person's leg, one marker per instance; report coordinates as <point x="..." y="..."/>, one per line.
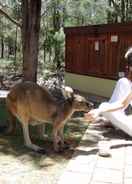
<point x="103" y="119"/>
<point x="120" y="120"/>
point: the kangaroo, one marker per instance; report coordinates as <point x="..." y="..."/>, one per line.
<point x="33" y="104"/>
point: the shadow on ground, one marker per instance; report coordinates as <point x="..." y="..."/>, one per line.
<point x="17" y="161"/>
<point x="99" y="131"/>
<point x="13" y="145"/>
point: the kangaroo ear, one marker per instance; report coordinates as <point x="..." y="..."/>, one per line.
<point x="67" y="92"/>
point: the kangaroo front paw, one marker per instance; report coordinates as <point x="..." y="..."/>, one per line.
<point x="42" y="151"/>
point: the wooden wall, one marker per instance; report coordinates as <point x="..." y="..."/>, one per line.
<point x="97" y="50"/>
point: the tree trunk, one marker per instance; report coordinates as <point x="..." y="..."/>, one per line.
<point x="56" y="25"/>
<point x="31" y="10"/>
<point x="109" y="18"/>
<point x="2" y="47"/>
<point x="45" y="40"/>
<point x="15" y="46"/>
<point x="10" y="48"/>
<point x="130" y="9"/>
<point x="122" y="11"/>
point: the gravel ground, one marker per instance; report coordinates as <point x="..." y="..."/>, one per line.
<point x="19" y="165"/>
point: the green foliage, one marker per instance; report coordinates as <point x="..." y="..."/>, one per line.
<point x="59" y="36"/>
<point x="57" y="14"/>
<point x="86" y="12"/>
<point x="8" y="31"/>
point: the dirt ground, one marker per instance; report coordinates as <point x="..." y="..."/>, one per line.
<point x="19" y="165"/>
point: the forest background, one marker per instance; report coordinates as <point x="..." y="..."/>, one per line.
<point x="53" y="16"/>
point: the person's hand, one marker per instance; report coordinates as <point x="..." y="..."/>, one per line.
<point x="92" y="115"/>
<point x="89" y="117"/>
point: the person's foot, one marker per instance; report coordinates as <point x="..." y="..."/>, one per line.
<point x="104" y="148"/>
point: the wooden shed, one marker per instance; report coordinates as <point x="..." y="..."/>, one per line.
<point x="94" y="56"/>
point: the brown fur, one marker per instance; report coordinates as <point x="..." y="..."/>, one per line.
<point x="32" y="104"/>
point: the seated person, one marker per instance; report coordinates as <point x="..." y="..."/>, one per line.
<point x="114" y="110"/>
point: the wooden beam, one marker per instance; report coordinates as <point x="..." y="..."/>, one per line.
<point x="10" y="18"/>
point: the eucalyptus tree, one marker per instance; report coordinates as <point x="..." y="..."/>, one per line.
<point x="30" y="26"/>
<point x="120" y="10"/>
<point x="53" y="17"/>
<point x="31" y="13"/>
<point x="9" y="25"/>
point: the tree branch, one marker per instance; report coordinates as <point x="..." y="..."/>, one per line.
<point x="45" y="12"/>
<point x="117" y="8"/>
<point x="10" y="18"/>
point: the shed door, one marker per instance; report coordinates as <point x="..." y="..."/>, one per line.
<point x="96" y="56"/>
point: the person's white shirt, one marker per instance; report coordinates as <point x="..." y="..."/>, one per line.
<point x="117" y="117"/>
<point x="121" y="90"/>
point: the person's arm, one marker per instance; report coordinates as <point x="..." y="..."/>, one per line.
<point x="93" y="114"/>
<point x="118" y="105"/>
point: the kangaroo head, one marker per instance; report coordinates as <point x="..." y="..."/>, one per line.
<point x="80" y="103"/>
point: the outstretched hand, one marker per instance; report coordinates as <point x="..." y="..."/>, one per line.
<point x="92" y="115"/>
